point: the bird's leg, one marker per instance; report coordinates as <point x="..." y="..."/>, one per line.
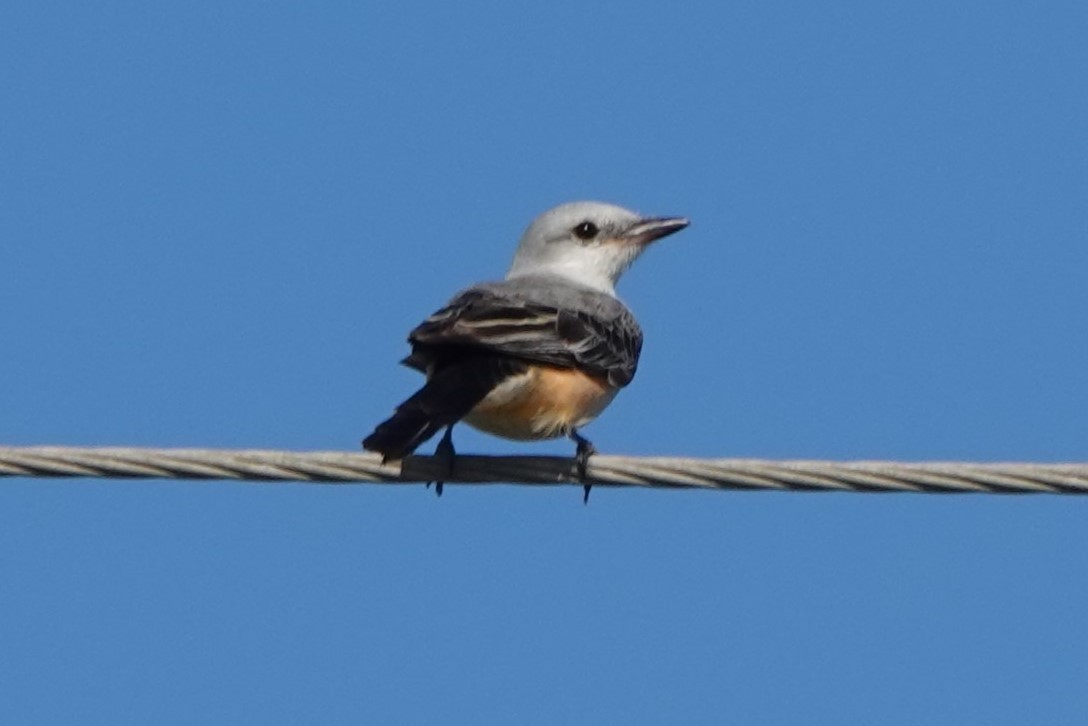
<point x="581" y="459"/>
<point x="446" y="454"/>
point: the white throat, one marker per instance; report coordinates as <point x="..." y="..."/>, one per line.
<point x="569" y="271"/>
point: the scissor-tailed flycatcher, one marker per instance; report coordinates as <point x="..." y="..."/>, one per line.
<point x="540" y="354"/>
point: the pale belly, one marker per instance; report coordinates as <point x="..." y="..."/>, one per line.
<point x="542" y="404"/>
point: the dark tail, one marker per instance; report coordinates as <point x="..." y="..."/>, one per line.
<point x="445" y="399"/>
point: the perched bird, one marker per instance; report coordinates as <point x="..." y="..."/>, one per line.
<point x="540" y="354"/>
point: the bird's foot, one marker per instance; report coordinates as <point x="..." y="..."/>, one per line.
<point x="446" y="454"/>
<point x="581" y="460"/>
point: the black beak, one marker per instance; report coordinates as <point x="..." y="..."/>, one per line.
<point x="648" y="230"/>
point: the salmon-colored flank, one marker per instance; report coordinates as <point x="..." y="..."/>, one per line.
<point x="543" y="403"/>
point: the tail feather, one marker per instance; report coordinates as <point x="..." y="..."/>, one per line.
<point x="399" y="435"/>
<point x="445" y="399"/>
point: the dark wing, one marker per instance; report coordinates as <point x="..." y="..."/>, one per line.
<point x="582" y="329"/>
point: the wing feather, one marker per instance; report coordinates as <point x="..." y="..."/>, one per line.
<point x="567" y="327"/>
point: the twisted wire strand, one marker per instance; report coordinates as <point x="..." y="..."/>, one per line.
<point x="662" y="472"/>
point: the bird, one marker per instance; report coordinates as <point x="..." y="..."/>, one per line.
<point x="539" y="354"/>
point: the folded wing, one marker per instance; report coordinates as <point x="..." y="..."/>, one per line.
<point x="534" y="321"/>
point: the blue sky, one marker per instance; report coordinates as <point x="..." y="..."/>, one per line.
<point x="219" y="220"/>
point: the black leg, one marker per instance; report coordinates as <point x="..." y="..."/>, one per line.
<point x="581" y="459"/>
<point x="447" y="454"/>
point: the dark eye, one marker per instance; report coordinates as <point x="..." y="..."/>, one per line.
<point x="586" y="230"/>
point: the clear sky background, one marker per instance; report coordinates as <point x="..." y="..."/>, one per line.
<point x="219" y="220"/>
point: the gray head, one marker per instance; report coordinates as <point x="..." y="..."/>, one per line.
<point x="588" y="242"/>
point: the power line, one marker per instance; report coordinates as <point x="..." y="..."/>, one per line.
<point x="664" y="472"/>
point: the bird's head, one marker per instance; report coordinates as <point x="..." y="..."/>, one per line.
<point x="591" y="243"/>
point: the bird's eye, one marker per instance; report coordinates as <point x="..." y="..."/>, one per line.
<point x="586" y="230"/>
